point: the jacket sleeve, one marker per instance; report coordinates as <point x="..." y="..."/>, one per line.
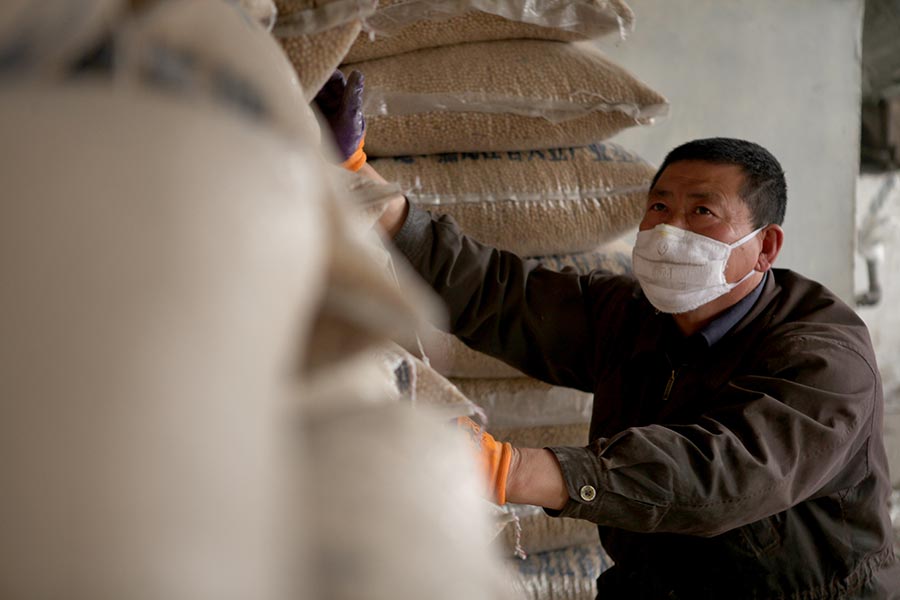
<point x="535" y="319"/>
<point x="778" y="437"/>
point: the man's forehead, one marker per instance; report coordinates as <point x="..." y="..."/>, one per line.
<point x="702" y="177"/>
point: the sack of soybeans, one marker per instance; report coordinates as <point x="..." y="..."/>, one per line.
<point x="209" y="49"/>
<point x="398" y="509"/>
<point x="501" y="95"/>
<point x="524" y="402"/>
<point x="567" y="574"/>
<point x="533" y="203"/>
<point x="399" y="26"/>
<point x="539" y="532"/>
<point x="47" y="38"/>
<point x="156" y="290"/>
<point x="316" y="36"/>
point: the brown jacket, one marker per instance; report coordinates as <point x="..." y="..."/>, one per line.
<point x="752" y="468"/>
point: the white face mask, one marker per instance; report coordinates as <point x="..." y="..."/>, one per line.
<point x="680" y="270"/>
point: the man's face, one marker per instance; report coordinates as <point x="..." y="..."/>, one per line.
<point x="704" y="198"/>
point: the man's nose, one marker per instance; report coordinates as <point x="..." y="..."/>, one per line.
<point x="675" y="219"/>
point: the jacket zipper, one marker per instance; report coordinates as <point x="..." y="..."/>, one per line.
<point x="669" y="385"/>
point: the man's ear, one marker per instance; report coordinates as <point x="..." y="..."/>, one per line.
<point x="773" y="239"/>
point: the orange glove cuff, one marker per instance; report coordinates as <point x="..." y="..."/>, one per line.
<point x="357" y="159"/>
<point x="495" y="458"/>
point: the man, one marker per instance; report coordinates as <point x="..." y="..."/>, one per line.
<point x="735" y="445"/>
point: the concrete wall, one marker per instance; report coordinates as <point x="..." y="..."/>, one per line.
<point x="783" y="74"/>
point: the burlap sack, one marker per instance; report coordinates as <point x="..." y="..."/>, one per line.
<point x="156" y="290"/>
<point x="208" y="49"/>
<point x="502" y="95"/>
<point x="47" y="38"/>
<point x="399" y="26"/>
<point x="452" y="358"/>
<point x="418" y="383"/>
<point x="535" y="203"/>
<point x="315" y="57"/>
<point x="538" y="532"/>
<point x="399" y="510"/>
<point x="568" y="574"/>
<point x="525" y="402"/>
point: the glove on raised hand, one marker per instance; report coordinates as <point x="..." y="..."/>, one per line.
<point x="493" y="456"/>
<point x="340" y="102"/>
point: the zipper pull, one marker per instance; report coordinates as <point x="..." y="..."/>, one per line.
<point x="669" y="385"/>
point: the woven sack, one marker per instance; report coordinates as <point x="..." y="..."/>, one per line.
<point x="209" y="49"/>
<point x="502" y="95"/>
<point x="525" y="402"/>
<point x="538" y="532"/>
<point x="399" y="26"/>
<point x="157" y="289"/>
<point x="535" y="203"/>
<point x="317" y="34"/>
<point x="452" y="358"/>
<point x="567" y="574"/>
<point x="397" y="502"/>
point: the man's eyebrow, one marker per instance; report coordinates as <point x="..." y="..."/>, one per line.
<point x="702" y="195"/>
<point x="660" y="192"/>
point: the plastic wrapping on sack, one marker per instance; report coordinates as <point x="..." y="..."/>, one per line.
<point x="263" y="12"/>
<point x="398" y="512"/>
<point x="568" y="574"/>
<point x="155" y="288"/>
<point x="370" y="197"/>
<point x="41" y="39"/>
<point x="586" y="17"/>
<point x="539" y="532"/>
<point x="525" y="402"/>
<point x="500" y="95"/>
<point x="308" y="17"/>
<point x="316" y="56"/>
<point x="398" y="27"/>
<point x="316" y="36"/>
<point x="210" y="49"/>
<point x="534" y="203"/>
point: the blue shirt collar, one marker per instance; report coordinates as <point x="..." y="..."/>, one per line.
<point x="718" y="327"/>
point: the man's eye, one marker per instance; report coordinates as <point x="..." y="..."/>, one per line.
<point x="702" y="210"/>
<point x="657" y="206"/>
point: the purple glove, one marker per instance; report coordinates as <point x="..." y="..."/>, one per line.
<point x="340" y="102"/>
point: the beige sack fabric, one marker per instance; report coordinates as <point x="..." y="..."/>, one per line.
<point x="315" y="57"/>
<point x="526" y="402"/>
<point x="502" y="95"/>
<point x="399" y="26"/>
<point x="399" y="509"/>
<point x="541" y="533"/>
<point x="568" y="574"/>
<point x="316" y="35"/>
<point x="534" y="203"/>
<point x="155" y="291"/>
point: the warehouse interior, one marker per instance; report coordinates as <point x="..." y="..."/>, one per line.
<point x="349" y="299"/>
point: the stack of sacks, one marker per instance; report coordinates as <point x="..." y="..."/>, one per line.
<point x="168" y="406"/>
<point x="316" y="35"/>
<point x="567" y="574"/>
<point x="500" y="117"/>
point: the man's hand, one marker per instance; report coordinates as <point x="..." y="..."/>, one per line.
<point x="394" y="214"/>
<point x="340" y="102"/>
<point x="494" y="458"/>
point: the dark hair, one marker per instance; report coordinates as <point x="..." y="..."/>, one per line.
<point x="764" y="190"/>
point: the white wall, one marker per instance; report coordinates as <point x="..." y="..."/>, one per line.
<point x="783" y="74"/>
